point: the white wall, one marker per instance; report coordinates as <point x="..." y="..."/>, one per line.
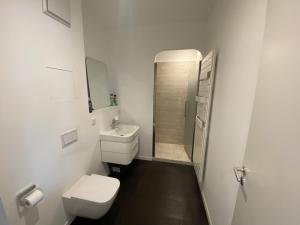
<point x="236" y="32"/>
<point x="133" y="52"/>
<point x="96" y="36"/>
<point x="37" y="104"/>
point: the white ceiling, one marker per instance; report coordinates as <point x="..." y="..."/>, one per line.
<point x="114" y="13"/>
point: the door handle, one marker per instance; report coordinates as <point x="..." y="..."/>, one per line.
<point x="240" y="174"/>
<point x="185" y="108"/>
<point x="200" y="122"/>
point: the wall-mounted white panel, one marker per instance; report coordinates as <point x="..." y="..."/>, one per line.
<point x="59" y="10"/>
<point x="61" y="84"/>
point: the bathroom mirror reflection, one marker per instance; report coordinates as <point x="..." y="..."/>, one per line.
<point x="99" y="88"/>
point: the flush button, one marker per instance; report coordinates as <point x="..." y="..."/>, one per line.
<point x="69" y="137"/>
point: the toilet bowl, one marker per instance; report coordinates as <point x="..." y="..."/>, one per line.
<point x="92" y="196"/>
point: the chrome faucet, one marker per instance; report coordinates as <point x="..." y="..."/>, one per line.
<point x="114" y="123"/>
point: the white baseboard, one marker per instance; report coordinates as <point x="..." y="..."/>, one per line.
<point x="144" y="158"/>
<point x="206" y="208"/>
<point x="70" y="221"/>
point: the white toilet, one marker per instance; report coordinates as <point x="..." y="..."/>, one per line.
<point x="92" y="196"/>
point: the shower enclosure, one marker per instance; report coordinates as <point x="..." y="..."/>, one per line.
<point x="176" y="86"/>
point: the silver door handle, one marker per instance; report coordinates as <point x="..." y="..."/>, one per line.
<point x="200" y="122"/>
<point x="240" y="174"/>
<point x="185" y="108"/>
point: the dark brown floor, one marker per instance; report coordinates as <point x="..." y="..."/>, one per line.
<point x="155" y="193"/>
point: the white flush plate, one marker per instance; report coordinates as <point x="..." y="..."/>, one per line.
<point x="69" y="137"/>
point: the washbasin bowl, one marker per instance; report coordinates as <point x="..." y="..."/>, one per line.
<point x="122" y="133"/>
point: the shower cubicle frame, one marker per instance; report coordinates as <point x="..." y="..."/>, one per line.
<point x="198" y="60"/>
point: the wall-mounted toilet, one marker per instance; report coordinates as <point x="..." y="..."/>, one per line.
<point x="92" y="196"/>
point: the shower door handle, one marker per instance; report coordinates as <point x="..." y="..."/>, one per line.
<point x="185" y="108"/>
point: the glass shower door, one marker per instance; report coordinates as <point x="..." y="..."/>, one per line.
<point x="191" y="109"/>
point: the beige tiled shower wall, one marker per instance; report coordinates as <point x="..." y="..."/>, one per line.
<point x="170" y="96"/>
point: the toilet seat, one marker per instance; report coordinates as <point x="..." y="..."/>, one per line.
<point x="92" y="196"/>
<point x="94" y="188"/>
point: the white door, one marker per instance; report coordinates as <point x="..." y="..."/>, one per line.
<point x="271" y="193"/>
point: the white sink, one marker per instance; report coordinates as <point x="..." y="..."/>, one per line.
<point x="123" y="133"/>
<point x="120" y="145"/>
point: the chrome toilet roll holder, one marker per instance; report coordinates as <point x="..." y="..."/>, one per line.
<point x="22" y="194"/>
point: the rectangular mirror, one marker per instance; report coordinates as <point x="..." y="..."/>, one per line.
<point x="99" y="88"/>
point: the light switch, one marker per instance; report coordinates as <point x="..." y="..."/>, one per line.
<point x="69" y="137"/>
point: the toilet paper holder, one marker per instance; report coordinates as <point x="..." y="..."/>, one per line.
<point x="22" y="194"/>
